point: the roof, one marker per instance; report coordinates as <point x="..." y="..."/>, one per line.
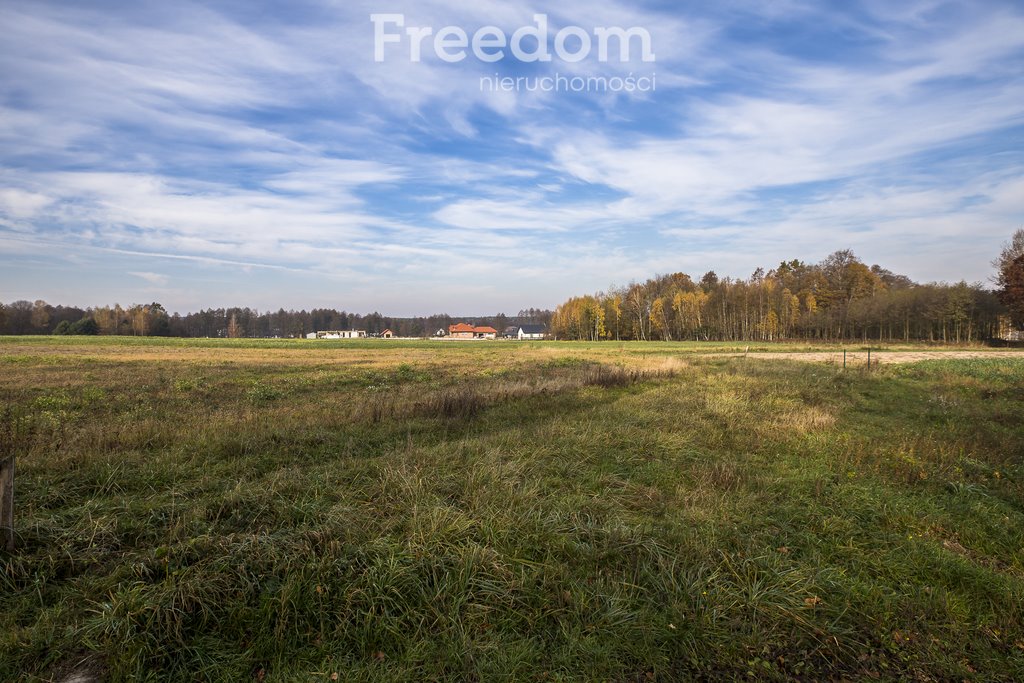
<point x="532" y="329"/>
<point x="463" y="327"/>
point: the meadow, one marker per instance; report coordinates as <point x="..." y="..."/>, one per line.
<point x="235" y="510"/>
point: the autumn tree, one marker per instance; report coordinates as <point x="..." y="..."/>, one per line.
<point x="596" y="319"/>
<point x="840" y="298"/>
<point x="790" y="312"/>
<point x="689" y="310"/>
<point x="581" y="318"/>
<point x="769" y="326"/>
<point x="1010" y="278"/>
<point x="658" y="319"/>
<point x="639" y="306"/>
<point x="613" y="313"/>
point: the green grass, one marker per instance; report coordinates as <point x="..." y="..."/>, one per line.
<point x="29" y="342"/>
<point x="233" y="510"/>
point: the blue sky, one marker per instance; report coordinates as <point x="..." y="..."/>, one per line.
<point x="239" y="153"/>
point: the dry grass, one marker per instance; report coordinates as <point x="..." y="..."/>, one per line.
<point x="508" y="511"/>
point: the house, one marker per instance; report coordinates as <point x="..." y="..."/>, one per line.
<point x="522" y="332"/>
<point x="387" y="334"/>
<point x="464" y="331"/>
<point x="525" y="332"/>
<point x="461" y="331"/>
<point x="337" y="334"/>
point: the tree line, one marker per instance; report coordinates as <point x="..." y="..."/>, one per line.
<point x="840" y="298"/>
<point x="149" y="320"/>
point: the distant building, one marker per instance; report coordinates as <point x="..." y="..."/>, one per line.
<point x="525" y="332"/>
<point x="461" y="331"/>
<point x="337" y="334"/>
<point x="464" y="331"/>
<point x="387" y="334"/>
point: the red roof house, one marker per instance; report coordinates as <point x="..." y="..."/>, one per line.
<point x="464" y="331"/>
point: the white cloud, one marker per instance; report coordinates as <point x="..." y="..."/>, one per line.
<point x="152" y="278"/>
<point x="19" y="204"/>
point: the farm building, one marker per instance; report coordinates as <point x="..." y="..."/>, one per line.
<point x="464" y="331"/>
<point x="524" y="332"/>
<point x="337" y="334"/>
<point x="387" y="334"/>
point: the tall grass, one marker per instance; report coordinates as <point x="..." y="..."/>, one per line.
<point x="510" y="513"/>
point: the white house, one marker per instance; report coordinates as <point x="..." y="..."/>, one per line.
<point x="529" y="332"/>
<point x="337" y="334"/>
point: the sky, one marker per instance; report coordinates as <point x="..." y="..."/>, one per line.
<point x="255" y="154"/>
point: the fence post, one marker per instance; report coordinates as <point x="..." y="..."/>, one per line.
<point x="7" y="502"/>
<point x="844" y="359"/>
<point x="869" y="358"/>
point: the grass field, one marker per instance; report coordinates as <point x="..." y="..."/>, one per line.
<point x="405" y="511"/>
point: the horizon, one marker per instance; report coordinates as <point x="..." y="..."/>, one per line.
<point x="985" y="285"/>
<point x="297" y="157"/>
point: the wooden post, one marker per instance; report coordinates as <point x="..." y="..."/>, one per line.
<point x="869" y="358"/>
<point x="7" y="502"/>
<point x="844" y="359"/>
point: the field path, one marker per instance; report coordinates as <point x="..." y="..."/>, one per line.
<point x="885" y="357"/>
